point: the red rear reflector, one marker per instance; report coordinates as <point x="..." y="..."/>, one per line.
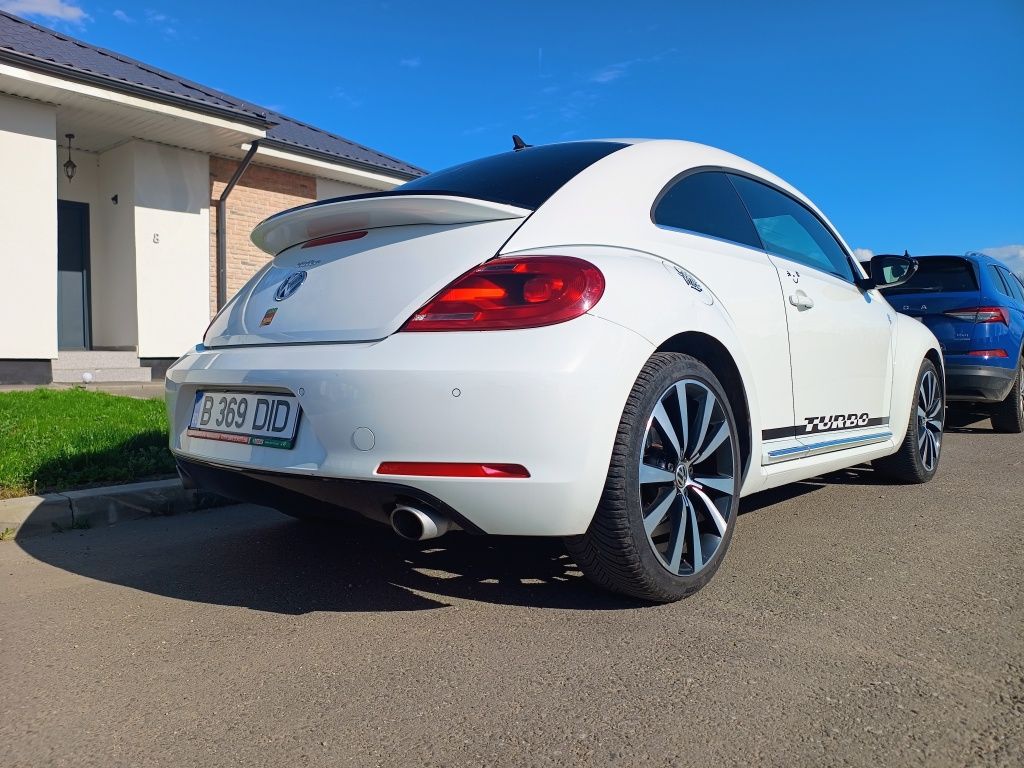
<point x="328" y="239"/>
<point x="982" y="314"/>
<point x="451" y="469"/>
<point x="503" y="294"/>
<point x="988" y="353"/>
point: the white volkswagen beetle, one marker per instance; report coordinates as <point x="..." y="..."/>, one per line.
<point x="607" y="341"/>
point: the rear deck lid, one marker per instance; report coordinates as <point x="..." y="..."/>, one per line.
<point x="356" y="269"/>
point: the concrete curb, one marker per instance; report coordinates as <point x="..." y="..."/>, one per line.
<point x="101" y="507"/>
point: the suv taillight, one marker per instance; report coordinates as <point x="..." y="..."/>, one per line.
<point x="981" y="315"/>
<point x="509" y="293"/>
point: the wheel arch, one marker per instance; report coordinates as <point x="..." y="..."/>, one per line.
<point x="915" y="344"/>
<point x="936" y="357"/>
<point x="717" y="357"/>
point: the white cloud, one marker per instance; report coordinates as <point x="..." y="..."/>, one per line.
<point x="1011" y="255"/>
<point x="613" y="72"/>
<point x="412" y="62"/>
<point x="122" y="16"/>
<point x="610" y="74"/>
<point x="340" y="94"/>
<point x="51" y="9"/>
<point x="863" y="254"/>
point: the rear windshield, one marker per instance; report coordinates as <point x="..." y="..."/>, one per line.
<point x="525" y="178"/>
<point x="939" y="275"/>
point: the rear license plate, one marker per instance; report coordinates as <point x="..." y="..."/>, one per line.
<point x="242" y="417"/>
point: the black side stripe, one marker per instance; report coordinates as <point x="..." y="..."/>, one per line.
<point x="780" y="432"/>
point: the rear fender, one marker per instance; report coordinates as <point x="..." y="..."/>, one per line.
<point x="672" y="301"/>
<point x="914" y="342"/>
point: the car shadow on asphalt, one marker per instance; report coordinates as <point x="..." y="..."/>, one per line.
<point x="967" y="420"/>
<point x="862" y="475"/>
<point x="256" y="558"/>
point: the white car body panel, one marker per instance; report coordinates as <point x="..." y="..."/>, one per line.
<point x="547" y="398"/>
<point x="840" y="348"/>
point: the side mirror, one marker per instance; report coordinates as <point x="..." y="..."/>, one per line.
<point x="889" y="271"/>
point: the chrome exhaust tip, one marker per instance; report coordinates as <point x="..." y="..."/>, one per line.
<point x="417" y="524"/>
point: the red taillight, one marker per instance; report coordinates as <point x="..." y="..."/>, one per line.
<point x="513" y="293"/>
<point x="988" y="353"/>
<point x="982" y="315"/>
<point x="451" y="469"/>
<point x="328" y="239"/>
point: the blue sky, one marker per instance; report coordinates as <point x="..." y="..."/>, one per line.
<point x="903" y="120"/>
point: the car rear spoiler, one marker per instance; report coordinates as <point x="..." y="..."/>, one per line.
<point x="350" y="214"/>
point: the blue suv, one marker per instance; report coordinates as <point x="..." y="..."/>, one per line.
<point x="975" y="307"/>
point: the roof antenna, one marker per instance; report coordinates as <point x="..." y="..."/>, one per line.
<point x="518" y="143"/>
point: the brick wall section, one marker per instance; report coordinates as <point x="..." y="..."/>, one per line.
<point x="261" y="192"/>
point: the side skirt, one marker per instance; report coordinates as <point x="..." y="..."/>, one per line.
<point x="775" y="454"/>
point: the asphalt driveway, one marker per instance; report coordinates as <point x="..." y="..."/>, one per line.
<point x="853" y="623"/>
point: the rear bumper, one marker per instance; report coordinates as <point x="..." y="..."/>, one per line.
<point x="316" y="496"/>
<point x="978" y="383"/>
<point x="549" y="399"/>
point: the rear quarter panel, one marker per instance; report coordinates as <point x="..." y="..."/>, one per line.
<point x="646" y="295"/>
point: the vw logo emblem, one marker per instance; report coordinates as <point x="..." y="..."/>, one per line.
<point x="682" y="474"/>
<point x="289" y="286"/>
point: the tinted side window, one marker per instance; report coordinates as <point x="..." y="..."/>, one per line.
<point x="1018" y="288"/>
<point x="707" y="203"/>
<point x="1012" y="283"/>
<point x="998" y="281"/>
<point x="792" y="231"/>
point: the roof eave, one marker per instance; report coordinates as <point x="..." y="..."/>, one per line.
<point x="35" y="64"/>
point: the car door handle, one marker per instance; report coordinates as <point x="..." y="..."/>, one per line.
<point x="801" y="300"/>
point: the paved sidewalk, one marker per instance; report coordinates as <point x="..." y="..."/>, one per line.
<point x="100" y="507"/>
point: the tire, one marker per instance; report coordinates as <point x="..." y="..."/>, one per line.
<point x="1008" y="416"/>
<point x="689" y="494"/>
<point x="918" y="457"/>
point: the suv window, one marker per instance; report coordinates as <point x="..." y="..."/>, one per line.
<point x="1012" y="283"/>
<point x="999" y="280"/>
<point x="945" y="274"/>
<point x="790" y="230"/>
<point x="706" y="203"/>
<point x="525" y="178"/>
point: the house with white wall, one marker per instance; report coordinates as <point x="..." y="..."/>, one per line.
<point x="112" y="174"/>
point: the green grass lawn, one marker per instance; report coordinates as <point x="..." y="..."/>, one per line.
<point x="60" y="439"/>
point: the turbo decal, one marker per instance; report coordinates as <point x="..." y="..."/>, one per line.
<point x="839" y="421"/>
<point x="824" y="424"/>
